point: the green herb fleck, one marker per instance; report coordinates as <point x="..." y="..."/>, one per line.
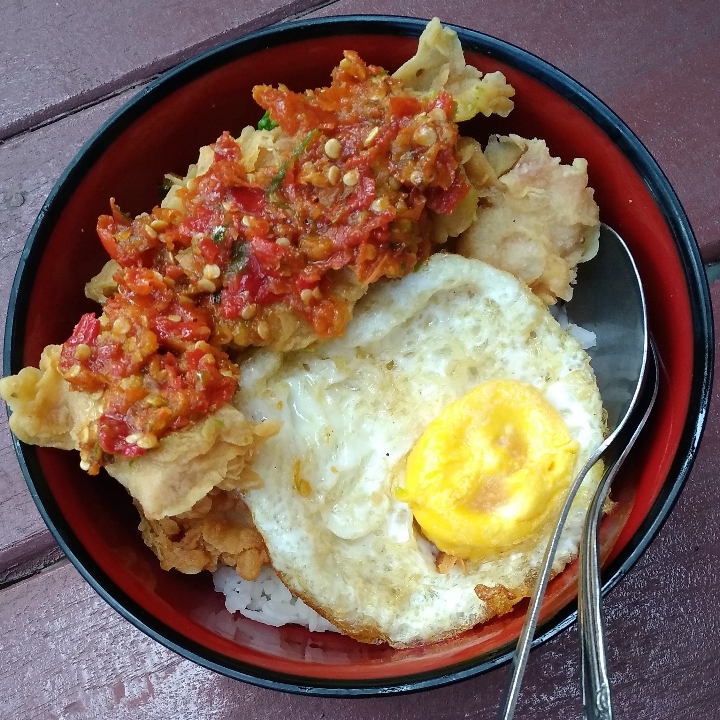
<point x="218" y="234"/>
<point x="266" y="123"/>
<point x="294" y="155"/>
<point x="238" y="257"/>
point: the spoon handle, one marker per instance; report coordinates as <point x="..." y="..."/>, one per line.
<point x="597" y="702"/>
<point x="520" y="656"/>
<point x="596" y="699"/>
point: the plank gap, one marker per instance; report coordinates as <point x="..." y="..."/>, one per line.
<point x="24" y="571"/>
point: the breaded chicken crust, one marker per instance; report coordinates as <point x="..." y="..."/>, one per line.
<point x="217" y="529"/>
<point x="537" y="218"/>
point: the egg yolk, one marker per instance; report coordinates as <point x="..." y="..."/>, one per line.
<point x="489" y="473"/>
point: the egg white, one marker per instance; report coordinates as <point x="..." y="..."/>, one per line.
<point x="351" y="410"/>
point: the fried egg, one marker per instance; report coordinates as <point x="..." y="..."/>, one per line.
<point x="447" y="422"/>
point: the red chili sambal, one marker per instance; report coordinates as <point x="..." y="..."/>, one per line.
<point x="249" y="253"/>
<point x="148" y="354"/>
<point x="365" y="160"/>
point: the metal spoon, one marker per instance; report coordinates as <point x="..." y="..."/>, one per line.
<point x="609" y="300"/>
<point x="597" y="703"/>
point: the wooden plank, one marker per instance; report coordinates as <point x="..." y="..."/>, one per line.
<point x="56" y="57"/>
<point x="675" y="110"/>
<point x="29" y="166"/>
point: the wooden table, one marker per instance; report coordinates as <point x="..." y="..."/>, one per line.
<point x="64" y="68"/>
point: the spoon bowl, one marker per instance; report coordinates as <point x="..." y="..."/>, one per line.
<point x="609" y="301"/>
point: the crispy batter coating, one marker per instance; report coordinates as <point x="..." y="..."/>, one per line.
<point x="537" y="218"/>
<point x="103" y="285"/>
<point x="218" y="529"/>
<point x="44" y="410"/>
<point x="439" y="64"/>
<point x="187" y="464"/>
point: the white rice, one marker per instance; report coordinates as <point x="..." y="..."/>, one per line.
<point x="586" y="338"/>
<point x="266" y="600"/>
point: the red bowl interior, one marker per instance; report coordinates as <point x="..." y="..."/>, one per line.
<point x="166" y="137"/>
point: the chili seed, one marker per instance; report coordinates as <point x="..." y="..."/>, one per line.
<point x="416" y="177"/>
<point x="84" y="465"/>
<point x="371" y="136"/>
<point x="82" y="351"/>
<point x="351" y="177"/>
<point x="333" y="148"/>
<point x="306" y="295"/>
<point x="248" y="312"/>
<point x="132" y="439"/>
<point x="147" y="441"/>
<point x="206" y="285"/>
<point x="211" y="272"/>
<point x="121" y="326"/>
<point x="333" y="174"/>
<point x="223" y="334"/>
<point x="437" y="115"/>
<point x="263" y="330"/>
<point x="174" y="318"/>
<point x="317" y="179"/>
<point x="425" y="136"/>
<point x="282" y="242"/>
<point x="150" y="231"/>
<point x="158" y="224"/>
<point x="380" y="204"/>
<point x="132" y="381"/>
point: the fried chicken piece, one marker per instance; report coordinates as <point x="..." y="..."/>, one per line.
<point x="103" y="285"/>
<point x="218" y="529"/>
<point x="439" y="64"/>
<point x="167" y="480"/>
<point x="44" y="410"/>
<point x="188" y="463"/>
<point x="537" y="218"/>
